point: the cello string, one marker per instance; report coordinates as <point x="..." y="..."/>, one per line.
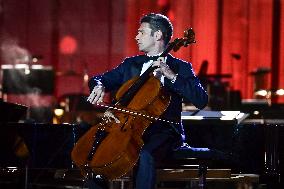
<point x="137" y="114"/>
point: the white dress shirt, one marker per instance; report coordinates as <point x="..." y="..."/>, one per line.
<point x="146" y="65"/>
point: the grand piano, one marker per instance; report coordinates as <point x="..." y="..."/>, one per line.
<point x="254" y="145"/>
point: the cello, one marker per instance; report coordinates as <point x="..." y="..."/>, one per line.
<point x="111" y="148"/>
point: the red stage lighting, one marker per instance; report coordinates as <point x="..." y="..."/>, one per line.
<point x="68" y="45"/>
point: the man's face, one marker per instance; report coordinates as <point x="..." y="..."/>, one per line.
<point x="145" y="41"/>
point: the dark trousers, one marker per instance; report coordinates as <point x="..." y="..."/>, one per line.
<point x="156" y="148"/>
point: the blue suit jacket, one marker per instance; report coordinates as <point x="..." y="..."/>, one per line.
<point x="186" y="88"/>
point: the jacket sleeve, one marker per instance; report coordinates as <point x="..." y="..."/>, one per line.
<point x="111" y="80"/>
<point x="188" y="86"/>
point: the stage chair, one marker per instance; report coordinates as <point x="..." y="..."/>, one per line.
<point x="191" y="164"/>
<point x="186" y="164"/>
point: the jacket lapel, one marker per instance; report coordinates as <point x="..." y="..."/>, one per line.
<point x="172" y="63"/>
<point x="136" y="66"/>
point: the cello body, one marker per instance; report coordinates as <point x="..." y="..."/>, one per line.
<point x="117" y="151"/>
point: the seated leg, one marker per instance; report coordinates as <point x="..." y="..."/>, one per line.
<point x="145" y="177"/>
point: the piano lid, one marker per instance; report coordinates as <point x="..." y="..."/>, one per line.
<point x="11" y="112"/>
<point x="27" y="79"/>
<point x="233" y="117"/>
<point x="26" y="66"/>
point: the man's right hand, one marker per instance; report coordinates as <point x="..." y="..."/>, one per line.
<point x="97" y="94"/>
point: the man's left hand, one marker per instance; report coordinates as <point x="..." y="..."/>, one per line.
<point x="163" y="68"/>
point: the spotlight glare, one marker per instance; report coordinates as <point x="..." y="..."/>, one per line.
<point x="58" y="112"/>
<point x="27" y="71"/>
<point x="280" y="92"/>
<point x="261" y="92"/>
<point x="35" y="60"/>
<point x="21" y="66"/>
<point x="256" y="112"/>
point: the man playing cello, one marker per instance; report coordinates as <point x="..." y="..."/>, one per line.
<point x="176" y="76"/>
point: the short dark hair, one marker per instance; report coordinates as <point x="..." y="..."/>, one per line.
<point x="159" y="22"/>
